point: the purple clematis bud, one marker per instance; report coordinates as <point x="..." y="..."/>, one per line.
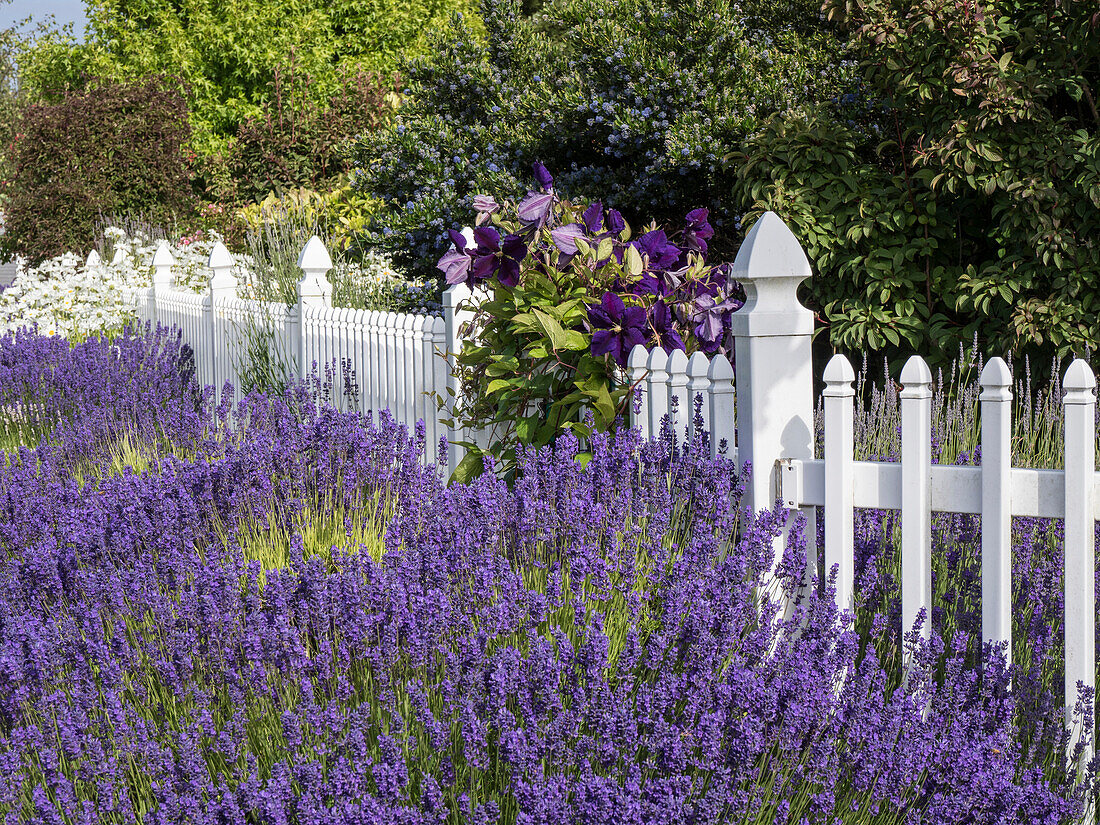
<point x="615" y="223"/>
<point x="544" y="178"/>
<point x="617" y="328"/>
<point x="565" y="237"/>
<point x="661" y="324"/>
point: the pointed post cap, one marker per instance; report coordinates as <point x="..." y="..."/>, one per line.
<point x="996" y="381"/>
<point x="838" y="377"/>
<point x="916" y="378"/>
<point x="93" y="260"/>
<point x="315" y="262"/>
<point x="770" y="265"/>
<point x="222" y="279"/>
<point x="637" y="358"/>
<point x="468" y="234"/>
<point x="1079" y="383"/>
<point x="163" y="255"/>
<point x="163" y="261"/>
<point x="119" y="257"/>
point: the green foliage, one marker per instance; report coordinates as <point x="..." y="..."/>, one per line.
<point x="111" y="149"/>
<point x="230" y="53"/>
<point x="632" y="102"/>
<point x="298" y="141"/>
<point x="956" y="190"/>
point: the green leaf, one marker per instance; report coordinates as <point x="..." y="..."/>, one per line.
<point x="471" y="466"/>
<point x="553" y="329"/>
<point x="633" y="261"/>
<point x="496" y="385"/>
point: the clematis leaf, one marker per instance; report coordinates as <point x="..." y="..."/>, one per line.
<point x="633" y="261"/>
<point x="553" y="329"/>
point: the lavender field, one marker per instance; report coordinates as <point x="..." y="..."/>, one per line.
<point x="292" y="620"/>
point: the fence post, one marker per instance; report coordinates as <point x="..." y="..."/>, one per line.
<point x="840" y="477"/>
<point x="163" y="278"/>
<point x="916" y="499"/>
<point x="223" y="285"/>
<point x="456" y="302"/>
<point x="314" y="290"/>
<point x="1080" y="549"/>
<point x="678" y="389"/>
<point x="996" y="518"/>
<point x="772" y="334"/>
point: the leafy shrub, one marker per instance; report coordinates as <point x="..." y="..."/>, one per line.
<point x="298" y="140"/>
<point x="570" y="295"/>
<point x="632" y="102"/>
<point x="955" y="190"/>
<point x="114" y="148"/>
<point x="229" y="53"/>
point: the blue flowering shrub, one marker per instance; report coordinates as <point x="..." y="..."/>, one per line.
<point x="631" y="102"/>
<point x="563" y="292"/>
<point x="297" y="622"/>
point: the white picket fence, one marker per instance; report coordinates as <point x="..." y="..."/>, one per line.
<point x="397" y="358"/>
<point x="775" y="430"/>
<point x="399" y="361"/>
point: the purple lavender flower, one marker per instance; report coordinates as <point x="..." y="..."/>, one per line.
<point x="617" y="327"/>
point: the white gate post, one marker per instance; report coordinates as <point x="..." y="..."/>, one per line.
<point x="916" y="499"/>
<point x="223" y="286"/>
<point x="996" y="518"/>
<point x="1079" y="385"/>
<point x="772" y="334"/>
<point x="314" y="290"/>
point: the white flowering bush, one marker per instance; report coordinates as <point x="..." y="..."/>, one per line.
<point x="66" y="296"/>
<point x="375" y="284"/>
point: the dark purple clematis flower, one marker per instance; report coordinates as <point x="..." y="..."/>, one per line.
<point x="617" y="328"/>
<point x="598" y="226"/>
<point x="544" y="178"/>
<point x="661" y="325"/>
<point x="565" y="237"/>
<point x="656" y="247"/>
<point x="712" y="320"/>
<point x="455" y="264"/>
<point x="494" y="257"/>
<point x="697" y="231"/>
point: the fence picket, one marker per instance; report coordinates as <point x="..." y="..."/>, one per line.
<point x="698" y="383"/>
<point x="916" y="499"/>
<point x="723" y="419"/>
<point x="840" y="477"/>
<point x="996" y="411"/>
<point x="657" y="389"/>
<point x="1079" y="403"/>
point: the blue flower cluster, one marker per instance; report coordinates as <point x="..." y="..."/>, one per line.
<point x="645" y="123"/>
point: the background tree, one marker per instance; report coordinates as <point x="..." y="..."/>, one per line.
<point x="955" y="190"/>
<point x="633" y="103"/>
